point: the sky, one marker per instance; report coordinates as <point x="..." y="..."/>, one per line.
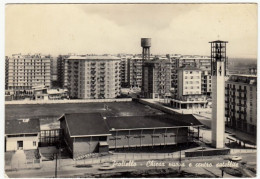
<point x="118" y="28"/>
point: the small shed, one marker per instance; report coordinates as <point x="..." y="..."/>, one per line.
<point x="22" y="134"/>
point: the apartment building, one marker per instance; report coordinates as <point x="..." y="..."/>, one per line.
<point x="241" y="103"/>
<point x="123" y="71"/>
<point x="201" y="62"/>
<point x="25" y="71"/>
<point x="134" y="70"/>
<point x="189" y="92"/>
<point x="90" y="77"/>
<point x="157" y="78"/>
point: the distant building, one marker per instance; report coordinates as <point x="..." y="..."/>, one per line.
<point x="189" y="92"/>
<point x="25" y="71"/>
<point x="134" y="70"/>
<point x="241" y="103"/>
<point x="253" y="71"/>
<point x="86" y="133"/>
<point x="44" y="93"/>
<point x="22" y="134"/>
<point x="124" y="72"/>
<point x="89" y="77"/>
<point x="157" y="78"/>
<point x="201" y="62"/>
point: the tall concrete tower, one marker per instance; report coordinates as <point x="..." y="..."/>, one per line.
<point x="146" y="44"/>
<point x="218" y="72"/>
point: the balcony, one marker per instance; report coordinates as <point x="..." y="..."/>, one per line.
<point x="241" y="105"/>
<point x="241" y="91"/>
<point x="241" y="98"/>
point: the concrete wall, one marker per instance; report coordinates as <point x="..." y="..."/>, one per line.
<point x="147" y="137"/>
<point x="66" y="137"/>
<point x="157" y="106"/>
<point x="69" y="101"/>
<point x="11" y="143"/>
<point x="84" y="145"/>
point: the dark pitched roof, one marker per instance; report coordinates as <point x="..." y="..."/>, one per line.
<point x="158" y="121"/>
<point x="22" y="126"/>
<point x="83" y="124"/>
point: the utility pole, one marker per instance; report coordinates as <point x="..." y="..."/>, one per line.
<point x="56" y="165"/>
<point x="180" y="162"/>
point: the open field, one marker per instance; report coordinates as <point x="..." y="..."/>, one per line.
<point x="56" y="110"/>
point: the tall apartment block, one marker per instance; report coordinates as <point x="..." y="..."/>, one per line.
<point x="201" y="62"/>
<point x="189" y="93"/>
<point x="134" y="70"/>
<point x="241" y="103"/>
<point x="123" y="71"/>
<point x="26" y="71"/>
<point x="90" y="77"/>
<point x="218" y="72"/>
<point x="157" y="78"/>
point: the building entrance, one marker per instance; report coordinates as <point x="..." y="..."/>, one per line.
<point x="19" y="145"/>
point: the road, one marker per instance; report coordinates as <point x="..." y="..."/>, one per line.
<point x="205" y="165"/>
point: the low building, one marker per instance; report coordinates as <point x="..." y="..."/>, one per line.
<point x="40" y="92"/>
<point x="189" y="94"/>
<point x="241" y="103"/>
<point x="22" y="134"/>
<point x="57" y="94"/>
<point x="86" y="133"/>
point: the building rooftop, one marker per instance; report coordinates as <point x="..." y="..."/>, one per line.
<point x="85" y="124"/>
<point x="22" y="126"/>
<point x="91" y="124"/>
<point x="56" y="91"/>
<point x="219" y="41"/>
<point x="245" y="75"/>
<point x="99" y="57"/>
<point x="241" y="78"/>
<point x="151" y="122"/>
<point x="188" y="68"/>
<point x="158" y="60"/>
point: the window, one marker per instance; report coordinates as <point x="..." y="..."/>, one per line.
<point x="34" y="143"/>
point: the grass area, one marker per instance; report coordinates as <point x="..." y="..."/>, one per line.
<point x="56" y="110"/>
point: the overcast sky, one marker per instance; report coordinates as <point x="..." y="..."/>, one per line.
<point x="91" y="28"/>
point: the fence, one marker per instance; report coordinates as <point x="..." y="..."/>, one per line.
<point x="122" y="157"/>
<point x="207" y="153"/>
<point x="28" y="164"/>
<point x="240" y="151"/>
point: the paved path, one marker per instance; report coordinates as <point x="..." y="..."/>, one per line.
<point x="18" y="159"/>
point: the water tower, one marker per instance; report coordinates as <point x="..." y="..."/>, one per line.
<point x="218" y="73"/>
<point x="146" y="44"/>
